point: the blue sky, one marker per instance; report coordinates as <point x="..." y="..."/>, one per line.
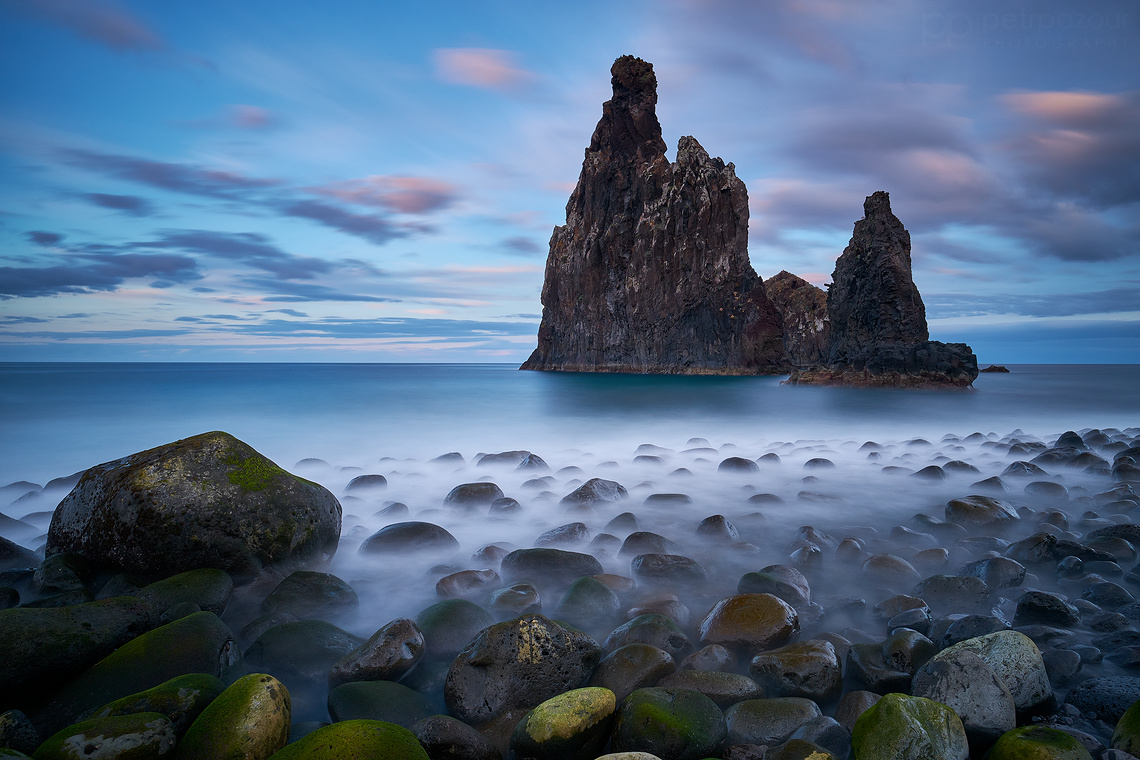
<point x="362" y="181"/>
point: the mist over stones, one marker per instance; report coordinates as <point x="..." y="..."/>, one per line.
<point x="878" y="332"/>
<point x="650" y="273"/>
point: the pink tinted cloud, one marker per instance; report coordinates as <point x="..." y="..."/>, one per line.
<point x="251" y="117"/>
<point x="481" y="67"/>
<point x="97" y="20"/>
<point x="406" y="195"/>
<point x="1068" y="108"/>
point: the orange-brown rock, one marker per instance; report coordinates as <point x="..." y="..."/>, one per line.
<point x="753" y="622"/>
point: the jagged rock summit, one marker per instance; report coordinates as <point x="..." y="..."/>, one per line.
<point x="877" y="319"/>
<point x="650" y="273"/>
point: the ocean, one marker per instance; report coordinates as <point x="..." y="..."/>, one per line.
<point x="57" y="419"/>
<point x="392" y="419"/>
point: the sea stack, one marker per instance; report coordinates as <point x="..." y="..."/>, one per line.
<point x="803" y="308"/>
<point x="877" y="319"/>
<point x="650" y="273"/>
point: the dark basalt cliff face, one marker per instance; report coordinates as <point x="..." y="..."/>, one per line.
<point x="803" y="308"/>
<point x="650" y="273"/>
<point x="878" y="321"/>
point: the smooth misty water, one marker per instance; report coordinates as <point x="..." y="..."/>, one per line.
<point x="58" y="419"/>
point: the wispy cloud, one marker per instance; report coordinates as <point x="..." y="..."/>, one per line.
<point x="100" y="21"/>
<point x="43" y="238"/>
<point x="408" y="195"/>
<point x="249" y="248"/>
<point x="523" y="246"/>
<point x="212" y="183"/>
<point x="481" y="67"/>
<point x="371" y="227"/>
<point x="131" y="205"/>
<point x="94" y="272"/>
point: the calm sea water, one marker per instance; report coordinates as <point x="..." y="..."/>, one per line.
<point x="56" y="419"/>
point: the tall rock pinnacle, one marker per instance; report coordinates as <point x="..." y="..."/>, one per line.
<point x="877" y="319"/>
<point x="650" y="273"/>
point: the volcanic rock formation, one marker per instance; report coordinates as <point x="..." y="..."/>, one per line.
<point x="878" y="321"/>
<point x="650" y="273"/>
<point x="803" y="308"/>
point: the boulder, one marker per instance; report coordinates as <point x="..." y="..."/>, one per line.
<point x="1108" y="697"/>
<point x="595" y="491"/>
<point x="209" y="588"/>
<point x="555" y="566"/>
<point x="387" y="655"/>
<point x="355" y="740"/>
<point x="67" y="641"/>
<point x="651" y="628"/>
<point x="666" y="569"/>
<point x="768" y="721"/>
<point x="301" y="651"/>
<point x="574" y="725"/>
<point x="673" y="724"/>
<point x="379" y="700"/>
<point x="249" y="720"/>
<point x="199" y="643"/>
<point x="912" y="727"/>
<point x="446" y="738"/>
<point x="517" y="664"/>
<point x="449" y="625"/>
<point x="140" y="736"/>
<point x="1038" y="743"/>
<point x="309" y="594"/>
<point x="205" y="501"/>
<point x="967" y="685"/>
<point x="631" y="667"/>
<point x="725" y="689"/>
<point x="980" y="512"/>
<point x="408" y="537"/>
<point x="1126" y="735"/>
<point x="473" y="495"/>
<point x="808" y="669"/>
<point x="181" y="699"/>
<point x="754" y="622"/>
<point x="650" y="273"/>
<point x="1016" y="661"/>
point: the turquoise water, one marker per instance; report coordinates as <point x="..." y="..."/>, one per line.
<point x="56" y="419"/>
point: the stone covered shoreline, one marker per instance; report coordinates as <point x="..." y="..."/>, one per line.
<point x="809" y="599"/>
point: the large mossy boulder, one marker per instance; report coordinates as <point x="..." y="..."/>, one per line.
<point x="517" y="665"/>
<point x="198" y="643"/>
<point x="249" y="720"/>
<point x="355" y="740"/>
<point x="205" y="501"/>
<point x="379" y="700"/>
<point x="673" y="724"/>
<point x="899" y="726"/>
<point x="46" y="647"/>
<point x="207" y="587"/>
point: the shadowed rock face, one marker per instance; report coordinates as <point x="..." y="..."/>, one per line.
<point x="873" y="301"/>
<point x="878" y="321"/>
<point x="803" y="308"/>
<point x="650" y="273"/>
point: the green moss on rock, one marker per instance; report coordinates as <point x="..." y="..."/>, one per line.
<point x="899" y="726"/>
<point x="356" y="740"/>
<point x="250" y="720"/>
<point x="141" y="736"/>
<point x="1038" y="743"/>
<point x="575" y="724"/>
<point x="1126" y="737"/>
<point x="181" y="699"/>
<point x="675" y="724"/>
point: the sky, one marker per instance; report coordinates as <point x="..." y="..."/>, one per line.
<point x="283" y="180"/>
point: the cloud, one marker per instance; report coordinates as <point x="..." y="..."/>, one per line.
<point x="373" y="228"/>
<point x="249" y="248"/>
<point x="522" y="245"/>
<point x="947" y="305"/>
<point x="481" y="67"/>
<point x="298" y="292"/>
<point x="289" y="312"/>
<point x="45" y="239"/>
<point x="90" y="273"/>
<point x="251" y="117"/>
<point x="407" y="195"/>
<point x="213" y="183"/>
<point x="1079" y="145"/>
<point x="14" y="320"/>
<point x="131" y="205"/>
<point x="97" y="20"/>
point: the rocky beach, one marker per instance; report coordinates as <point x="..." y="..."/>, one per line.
<point x="849" y="598"/>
